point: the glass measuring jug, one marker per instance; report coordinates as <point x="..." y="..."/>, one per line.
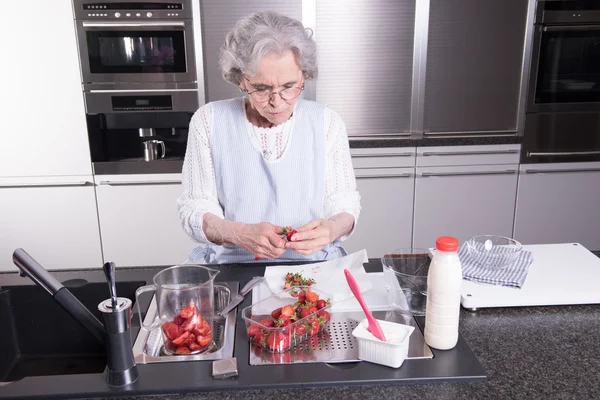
<point x="184" y="296"/>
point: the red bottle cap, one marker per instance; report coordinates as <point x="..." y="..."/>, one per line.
<point x="446" y="243"/>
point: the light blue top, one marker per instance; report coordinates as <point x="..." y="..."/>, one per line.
<point x="285" y="192"/>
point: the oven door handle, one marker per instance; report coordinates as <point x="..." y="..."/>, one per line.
<point x="571" y="28"/>
<point x="133" y="24"/>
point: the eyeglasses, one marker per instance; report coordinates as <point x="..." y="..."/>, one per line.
<point x="264" y="95"/>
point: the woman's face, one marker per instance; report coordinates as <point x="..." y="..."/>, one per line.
<point x="275" y="73"/>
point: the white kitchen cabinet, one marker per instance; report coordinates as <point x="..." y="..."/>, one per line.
<point x="44" y="127"/>
<point x="53" y="219"/>
<point x="385" y="221"/>
<point x="464" y="191"/>
<point x="385" y="182"/>
<point x="139" y="222"/>
<point x="464" y="202"/>
<point x="558" y="203"/>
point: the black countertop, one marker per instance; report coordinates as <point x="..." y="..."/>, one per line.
<point x="527" y="352"/>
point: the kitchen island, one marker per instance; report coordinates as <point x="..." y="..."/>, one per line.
<point x="529" y="352"/>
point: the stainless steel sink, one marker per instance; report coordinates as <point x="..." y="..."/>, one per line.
<point x="148" y="346"/>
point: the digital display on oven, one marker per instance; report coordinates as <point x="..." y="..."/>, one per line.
<point x="141" y="103"/>
<point x="132" y="6"/>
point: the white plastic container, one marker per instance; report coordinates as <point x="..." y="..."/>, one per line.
<point x="391" y="353"/>
<point x="444" y="283"/>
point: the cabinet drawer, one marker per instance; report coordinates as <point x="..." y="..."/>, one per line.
<point x="438" y="156"/>
<point x="139" y="221"/>
<point x="394" y="157"/>
<point x="463" y="202"/>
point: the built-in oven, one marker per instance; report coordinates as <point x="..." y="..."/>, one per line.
<point x="562" y="122"/>
<point x="137" y="42"/>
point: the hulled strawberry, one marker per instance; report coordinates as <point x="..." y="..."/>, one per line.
<point x="288" y="231"/>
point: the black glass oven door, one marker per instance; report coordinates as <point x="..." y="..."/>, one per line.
<point x="136" y="52"/>
<point x="568" y="69"/>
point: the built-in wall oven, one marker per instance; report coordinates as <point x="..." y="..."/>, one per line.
<point x="135" y="42"/>
<point x="139" y="79"/>
<point x="562" y="122"/>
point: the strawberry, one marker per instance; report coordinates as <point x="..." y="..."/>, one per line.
<point x="201" y="329"/>
<point x="314" y="328"/>
<point x="321" y="304"/>
<point x="300" y="330"/>
<point x="287" y="311"/>
<point x="313" y="309"/>
<point x="278" y="341"/>
<point x="305" y="313"/>
<point x="276" y="313"/>
<point x="171" y="330"/>
<point x="312" y="297"/>
<point x="325" y="316"/>
<point x="181" y="339"/>
<point x="182" y="350"/>
<point x="203" y="340"/>
<point x="289" y="276"/>
<point x="188" y="311"/>
<point x="269" y="323"/>
<point x="194" y="346"/>
<point x="178" y="320"/>
<point x="190" y="324"/>
<point x="284" y="323"/>
<point x="191" y="339"/>
<point x="288" y="231"/>
<point x="301" y="297"/>
<point x="259" y="340"/>
<point x="287" y="285"/>
<point x="253" y="330"/>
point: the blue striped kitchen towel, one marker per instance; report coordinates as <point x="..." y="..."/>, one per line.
<point x="513" y="275"/>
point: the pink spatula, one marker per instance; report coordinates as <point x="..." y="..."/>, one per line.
<point x="374" y="326"/>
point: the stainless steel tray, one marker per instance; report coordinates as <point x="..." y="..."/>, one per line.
<point x="148" y="346"/>
<point x="337" y="345"/>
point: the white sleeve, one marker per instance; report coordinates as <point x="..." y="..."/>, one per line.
<point x="198" y="177"/>
<point x="340" y="183"/>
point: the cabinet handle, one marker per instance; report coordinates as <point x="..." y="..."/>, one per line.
<point x="544" y="171"/>
<point x="466" y="173"/>
<point x="406" y="175"/>
<point x="383" y="155"/>
<point x="468" y="153"/>
<point x="564" y="153"/>
<point x="45" y="184"/>
<point x="129" y="183"/>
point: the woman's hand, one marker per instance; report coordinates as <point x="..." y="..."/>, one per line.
<point x="312" y="237"/>
<point x="263" y="239"/>
<point x="318" y="233"/>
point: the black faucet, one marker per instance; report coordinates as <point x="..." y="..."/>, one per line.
<point x="116" y="313"/>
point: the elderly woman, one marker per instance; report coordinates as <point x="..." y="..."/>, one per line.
<point x="258" y="163"/>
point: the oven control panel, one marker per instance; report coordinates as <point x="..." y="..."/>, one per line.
<point x="132" y="10"/>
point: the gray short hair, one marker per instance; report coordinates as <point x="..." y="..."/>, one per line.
<point x="263" y="33"/>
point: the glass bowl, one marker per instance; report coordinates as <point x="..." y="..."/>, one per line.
<point x="493" y="252"/>
<point x="405" y="272"/>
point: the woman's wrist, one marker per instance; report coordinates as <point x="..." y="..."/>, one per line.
<point x="342" y="224"/>
<point x="220" y="231"/>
